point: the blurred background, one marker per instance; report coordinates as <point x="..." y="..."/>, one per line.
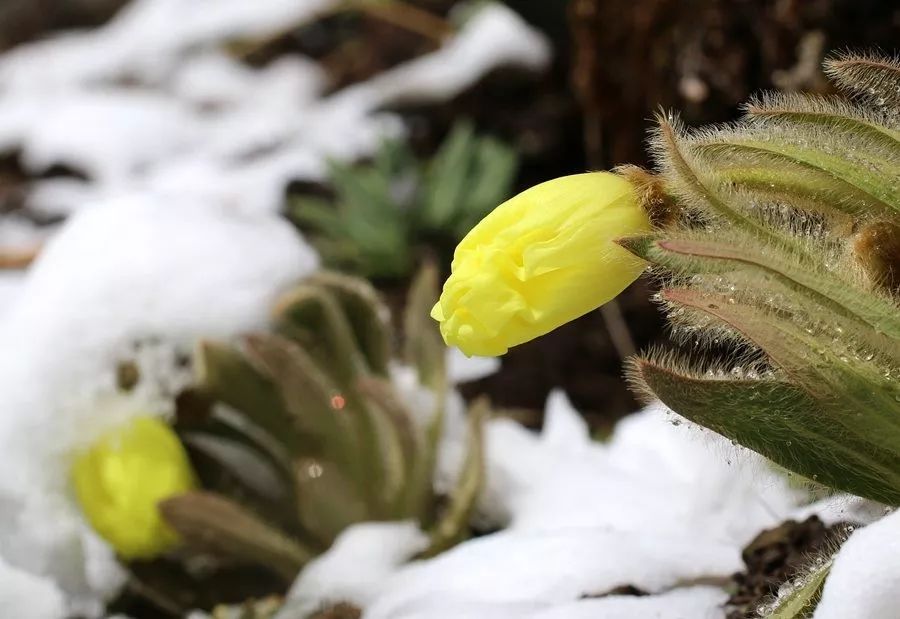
<point x="381" y="130"/>
<point x="562" y="87"/>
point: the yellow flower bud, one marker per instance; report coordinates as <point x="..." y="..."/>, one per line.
<point x="539" y="260"/>
<point x="120" y="480"/>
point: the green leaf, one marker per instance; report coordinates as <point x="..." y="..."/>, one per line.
<point x="832" y="374"/>
<point x="365" y="230"/>
<point x="829" y="114"/>
<point x="363" y="194"/>
<point x="804" y="189"/>
<point x="452" y="526"/>
<point x="870" y="76"/>
<point x="243" y="463"/>
<point x="407" y="454"/>
<point x="314" y="317"/>
<point x="492" y="175"/>
<point x="224" y="374"/>
<point x="864" y="172"/>
<point x="424" y="350"/>
<point x="215" y="524"/>
<point x="395" y="159"/>
<point x="327" y="502"/>
<point x="447" y="177"/>
<point x="316" y="405"/>
<point x="320" y="215"/>
<point x="719" y="252"/>
<point x="423" y="347"/>
<point x="782" y="423"/>
<point x="801" y="602"/>
<point x="368" y="316"/>
<point x="680" y="170"/>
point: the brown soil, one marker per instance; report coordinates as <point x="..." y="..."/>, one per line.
<point x="340" y="611"/>
<point x="777" y="555"/>
<point x="24" y="20"/>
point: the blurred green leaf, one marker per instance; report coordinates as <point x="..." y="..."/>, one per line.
<point x="220" y="526"/>
<point x="451" y="528"/>
<point x="384" y="208"/>
<point x="423" y="347"/>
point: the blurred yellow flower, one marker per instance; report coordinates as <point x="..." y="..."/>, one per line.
<point x="539" y="260"/>
<point x="120" y="480"/>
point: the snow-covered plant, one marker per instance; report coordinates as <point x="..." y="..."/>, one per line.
<point x="307" y="434"/>
<point x="384" y="208"/>
<point x="778" y="241"/>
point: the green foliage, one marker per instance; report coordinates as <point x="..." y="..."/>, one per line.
<point x="383" y="209"/>
<point x="787" y="252"/>
<point x="306" y="434"/>
<point x="798" y="599"/>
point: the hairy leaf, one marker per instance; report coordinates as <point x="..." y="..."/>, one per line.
<point x="782" y="423"/>
<point x="871" y="77"/>
<point x="800" y="603"/>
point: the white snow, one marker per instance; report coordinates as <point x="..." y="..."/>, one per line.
<point x="664" y="504"/>
<point x="150" y="103"/>
<point x="549" y="567"/>
<point x="865" y="578"/>
<point x="649" y="465"/>
<point x="117" y="273"/>
<point x="97" y="132"/>
<point x="462" y="369"/>
<point x="185" y="153"/>
<point x="44" y="535"/>
<point x="25" y="596"/>
<point x="374" y="550"/>
<point x="502" y="572"/>
<point x="148" y="39"/>
<point x="10" y="288"/>
<point x="493" y="38"/>
<point x="21" y="236"/>
<point x="842" y="508"/>
<point x="682" y="603"/>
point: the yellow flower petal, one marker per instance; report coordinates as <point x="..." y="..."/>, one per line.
<point x="539" y="260"/>
<point x="121" y="479"/>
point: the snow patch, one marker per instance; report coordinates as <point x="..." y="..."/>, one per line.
<point x="25" y="596"/>
<point x="865" y="578"/>
<point x="118" y="273"/>
<point x="149" y="104"/>
<point x="357" y="566"/>
<point x="663" y="503"/>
